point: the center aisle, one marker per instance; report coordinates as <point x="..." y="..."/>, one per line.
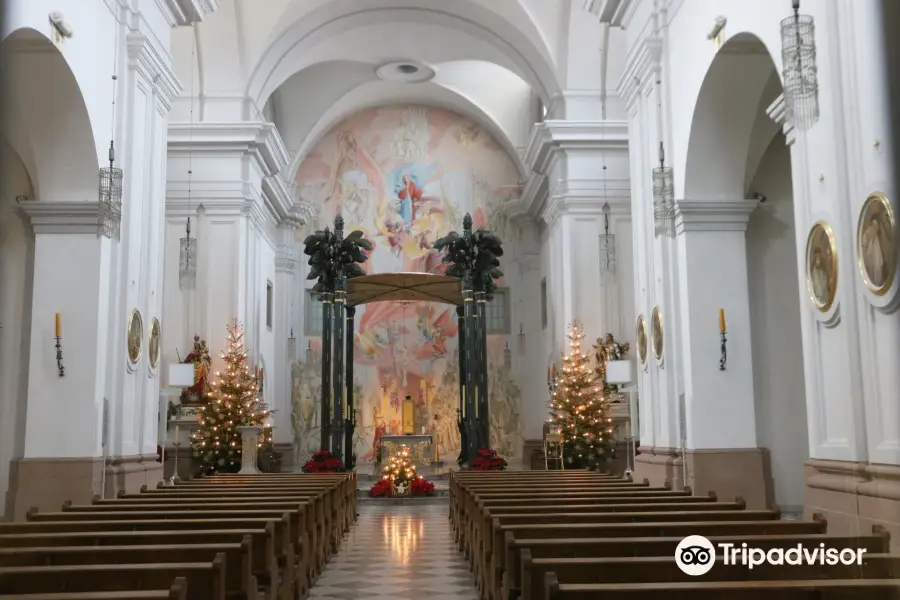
<point x="399" y="551"/>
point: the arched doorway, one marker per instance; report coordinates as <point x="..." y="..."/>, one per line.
<point x="736" y="151"/>
<point x="47" y="153"/>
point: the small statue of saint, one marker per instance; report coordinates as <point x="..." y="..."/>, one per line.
<point x="606" y="350"/>
<point x="202" y="361"/>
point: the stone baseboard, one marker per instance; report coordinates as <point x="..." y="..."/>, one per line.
<point x="854" y="496"/>
<point x="286" y="453"/>
<point x="728" y="472"/>
<point x="45" y="483"/>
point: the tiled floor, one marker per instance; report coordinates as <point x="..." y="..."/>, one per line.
<point x="397" y="553"/>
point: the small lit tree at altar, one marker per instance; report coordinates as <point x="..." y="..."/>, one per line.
<point x="579" y="408"/>
<point x="398" y="478"/>
<point x="233" y="402"/>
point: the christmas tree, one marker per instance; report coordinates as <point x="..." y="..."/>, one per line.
<point x="579" y="408"/>
<point x="399" y="469"/>
<point x="234" y="401"/>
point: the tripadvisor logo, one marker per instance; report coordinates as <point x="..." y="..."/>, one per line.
<point x="695" y="555"/>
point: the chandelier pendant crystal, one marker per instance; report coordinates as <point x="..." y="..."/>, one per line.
<point x="663" y="196"/>
<point x="109" y="219"/>
<point x="187" y="255"/>
<point x="801" y="76"/>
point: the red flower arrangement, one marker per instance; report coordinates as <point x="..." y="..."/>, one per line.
<point x="323" y="462"/>
<point x="488" y="460"/>
<point x="420" y="487"/>
<point x="382" y="489"/>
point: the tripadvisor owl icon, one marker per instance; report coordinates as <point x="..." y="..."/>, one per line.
<point x="695" y="555"/>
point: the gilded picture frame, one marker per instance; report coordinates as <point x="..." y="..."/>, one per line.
<point x="821" y="266"/>
<point x="641" y="338"/>
<point x="135" y="336"/>
<point x="876" y="243"/>
<point x="656" y="332"/>
<point x="153" y="344"/>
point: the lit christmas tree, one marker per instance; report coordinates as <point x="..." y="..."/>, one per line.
<point x="579" y="409"/>
<point x="234" y="401"/>
<point x="399" y="470"/>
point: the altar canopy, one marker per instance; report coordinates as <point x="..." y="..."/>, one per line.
<point x="410" y="287"/>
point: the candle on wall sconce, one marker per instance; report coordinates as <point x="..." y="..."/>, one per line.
<point x="60" y="369"/>
<point x="722" y="331"/>
<point x="262" y="373"/>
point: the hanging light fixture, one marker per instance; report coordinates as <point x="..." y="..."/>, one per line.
<point x="663" y="196"/>
<point x="801" y="78"/>
<point x="607" y="240"/>
<point x="187" y="256"/>
<point x="109" y="217"/>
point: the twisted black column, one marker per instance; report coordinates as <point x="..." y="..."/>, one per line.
<point x="484" y="421"/>
<point x="325" y="395"/>
<point x="340" y="296"/>
<point x="461" y="411"/>
<point x="350" y="421"/>
<point x="470" y="391"/>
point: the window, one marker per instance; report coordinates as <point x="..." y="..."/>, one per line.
<point x="496" y="312"/>
<point x="544" y="303"/>
<point x="313" y="314"/>
<point x="270" y="304"/>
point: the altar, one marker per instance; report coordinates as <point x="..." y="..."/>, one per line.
<point x="421" y="448"/>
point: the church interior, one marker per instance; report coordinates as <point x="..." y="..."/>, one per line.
<point x="481" y="299"/>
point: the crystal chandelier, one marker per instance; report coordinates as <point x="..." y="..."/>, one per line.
<point x="109" y="212"/>
<point x="801" y="82"/>
<point x="663" y="196"/>
<point x="187" y="256"/>
<point x="607" y="240"/>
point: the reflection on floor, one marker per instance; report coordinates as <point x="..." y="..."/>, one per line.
<point x="397" y="552"/>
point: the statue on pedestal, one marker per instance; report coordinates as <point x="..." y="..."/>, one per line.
<point x="606" y="350"/>
<point x="202" y="362"/>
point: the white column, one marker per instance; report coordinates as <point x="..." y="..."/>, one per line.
<point x="286" y="259"/>
<point x="712" y="274"/>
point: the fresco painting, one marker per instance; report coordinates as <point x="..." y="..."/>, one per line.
<point x="405" y="176"/>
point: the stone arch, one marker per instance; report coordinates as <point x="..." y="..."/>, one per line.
<point x="525" y="51"/>
<point x="737" y="151"/>
<point x="47" y="120"/>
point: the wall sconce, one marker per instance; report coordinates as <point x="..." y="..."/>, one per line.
<point x="716" y="30"/>
<point x="59" y="356"/>
<point x="722" y="332"/>
<point x="521" y="336"/>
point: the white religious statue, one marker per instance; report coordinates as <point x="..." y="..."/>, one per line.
<point x="819" y="278"/>
<point x="873" y="253"/>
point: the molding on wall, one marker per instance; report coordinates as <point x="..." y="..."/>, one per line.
<point x="777" y="111"/>
<point x="60" y="217"/>
<point x="255" y="138"/>
<point x="548" y="139"/>
<point x="146" y="59"/>
<point x="184" y="12"/>
<point x="610" y="11"/>
<point x="700" y="215"/>
<point x="643" y="60"/>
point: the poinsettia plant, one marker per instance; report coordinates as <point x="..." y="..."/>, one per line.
<point x="421" y="487"/>
<point x="323" y="462"/>
<point x="488" y="460"/>
<point x="383" y="488"/>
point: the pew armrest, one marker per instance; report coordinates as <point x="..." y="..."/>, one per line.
<point x="551" y="586"/>
<point x="178" y="591"/>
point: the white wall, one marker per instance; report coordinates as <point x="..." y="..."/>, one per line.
<point x="850" y="351"/>
<point x="775" y="327"/>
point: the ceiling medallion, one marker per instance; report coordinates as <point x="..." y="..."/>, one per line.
<point x="406" y="71"/>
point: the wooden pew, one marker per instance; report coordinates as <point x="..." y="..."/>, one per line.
<point x="587" y="548"/>
<point x="239" y="582"/>
<point x="664" y="569"/>
<point x="266" y="568"/>
<point x="303" y="553"/>
<point x="502" y="566"/>
<point x="883" y="589"/>
<point x="206" y="580"/>
<point x="178" y="591"/>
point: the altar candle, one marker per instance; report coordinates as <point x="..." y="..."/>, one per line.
<point x="177" y="433"/>
<point x="721" y="320"/>
<point x="58" y="325"/>
<point x="262" y="373"/>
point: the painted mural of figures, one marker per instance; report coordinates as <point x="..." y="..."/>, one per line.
<point x="380" y="431"/>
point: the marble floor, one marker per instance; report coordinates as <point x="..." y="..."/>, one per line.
<point x="397" y="553"/>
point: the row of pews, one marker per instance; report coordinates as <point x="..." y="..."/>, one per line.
<point x="577" y="535"/>
<point x="224" y="537"/>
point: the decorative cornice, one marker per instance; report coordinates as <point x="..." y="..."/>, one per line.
<point x="642" y="62"/>
<point x="186" y="12"/>
<point x="702" y="215"/>
<point x="279" y="200"/>
<point x="258" y="139"/>
<point x="144" y="57"/>
<point x="60" y="217"/>
<point x="585" y="205"/>
<point x="609" y="11"/>
<point x="777" y="111"/>
<point x="550" y="136"/>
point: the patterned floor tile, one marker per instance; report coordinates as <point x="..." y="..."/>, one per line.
<point x="397" y="552"/>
